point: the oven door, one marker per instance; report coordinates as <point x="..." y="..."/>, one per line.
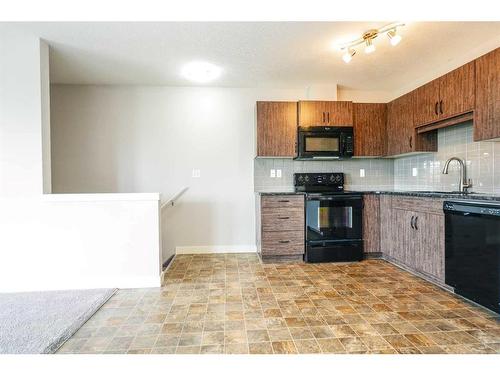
<point x="319" y="145"/>
<point x="334" y="217"/>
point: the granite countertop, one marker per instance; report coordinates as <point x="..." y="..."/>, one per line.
<point x="422" y="194"/>
<point x="438" y="194"/>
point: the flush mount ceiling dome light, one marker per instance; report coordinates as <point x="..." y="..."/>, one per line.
<point x="367" y="39"/>
<point x="201" y="71"/>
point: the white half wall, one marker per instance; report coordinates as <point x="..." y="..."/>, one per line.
<point x="143" y="139"/>
<point x="60" y="241"/>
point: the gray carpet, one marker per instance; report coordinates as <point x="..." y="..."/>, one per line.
<point x="40" y="322"/>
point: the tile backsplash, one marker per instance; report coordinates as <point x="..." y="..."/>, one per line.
<point x="417" y="172"/>
<point x="482" y="161"/>
<point x="378" y="173"/>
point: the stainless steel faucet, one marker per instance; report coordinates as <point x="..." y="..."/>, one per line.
<point x="463" y="182"/>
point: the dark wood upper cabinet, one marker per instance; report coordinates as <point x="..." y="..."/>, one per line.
<point x="400" y="130"/>
<point x="426" y="108"/>
<point x="402" y="137"/>
<point x="456" y="91"/>
<point x="445" y="97"/>
<point x="487" y="109"/>
<point x="370" y="129"/>
<point x="325" y="113"/>
<point x="276" y="129"/>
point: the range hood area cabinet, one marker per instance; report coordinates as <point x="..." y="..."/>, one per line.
<point x="487" y="111"/>
<point x="276" y="129"/>
<point x="445" y="97"/>
<point x="325" y="113"/>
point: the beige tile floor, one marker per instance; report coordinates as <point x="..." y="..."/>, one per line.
<point x="231" y="303"/>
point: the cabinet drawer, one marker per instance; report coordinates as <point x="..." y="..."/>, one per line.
<point x="282" y="201"/>
<point x="429" y="205"/>
<point x="282" y="219"/>
<point x="282" y="243"/>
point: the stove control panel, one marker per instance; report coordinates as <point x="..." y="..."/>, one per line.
<point x="333" y="181"/>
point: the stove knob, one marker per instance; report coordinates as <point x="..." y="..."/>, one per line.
<point x="332" y="178"/>
<point x="301" y="178"/>
<point x="338" y="178"/>
<point x="306" y="178"/>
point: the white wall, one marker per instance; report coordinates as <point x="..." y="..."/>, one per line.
<point x="53" y="242"/>
<point x="143" y="139"/>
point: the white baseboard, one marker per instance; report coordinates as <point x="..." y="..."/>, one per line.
<point x="215" y="249"/>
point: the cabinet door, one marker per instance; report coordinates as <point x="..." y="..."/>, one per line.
<point x="456" y="91"/>
<point x="405" y="135"/>
<point x="386" y="225"/>
<point x="487" y="108"/>
<point x="324" y="113"/>
<point x="339" y="113"/>
<point x="312" y="113"/>
<point x="371" y="223"/>
<point x="276" y="128"/>
<point x="426" y="103"/>
<point x="370" y="129"/>
<point x="392" y="129"/>
<point x="430" y="228"/>
<point x="402" y="235"/>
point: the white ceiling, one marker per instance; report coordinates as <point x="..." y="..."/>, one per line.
<point x="278" y="54"/>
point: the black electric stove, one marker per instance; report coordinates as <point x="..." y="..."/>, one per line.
<point x="334" y="218"/>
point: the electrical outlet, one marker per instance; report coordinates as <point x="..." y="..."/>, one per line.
<point x="361" y="172"/>
<point x="196" y="173"/>
<point x="278" y="173"/>
<point x="414" y="172"/>
<point x="273" y="173"/>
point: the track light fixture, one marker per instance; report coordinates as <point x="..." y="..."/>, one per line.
<point x="367" y="39"/>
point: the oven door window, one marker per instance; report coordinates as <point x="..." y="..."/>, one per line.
<point x="333" y="220"/>
<point x="321" y="144"/>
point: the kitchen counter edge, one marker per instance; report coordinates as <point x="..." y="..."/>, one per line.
<point x="470" y="197"/>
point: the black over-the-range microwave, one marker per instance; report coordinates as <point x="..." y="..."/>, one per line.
<point x="324" y="142"/>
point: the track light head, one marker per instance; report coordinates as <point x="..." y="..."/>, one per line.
<point x="393" y="37"/>
<point x="347" y="56"/>
<point x="370" y="47"/>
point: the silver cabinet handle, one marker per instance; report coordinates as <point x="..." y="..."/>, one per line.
<point x="284" y="201"/>
<point x="284" y="217"/>
<point x="284" y="241"/>
<point x="411" y="222"/>
<point x="323" y="117"/>
<point x="416" y="220"/>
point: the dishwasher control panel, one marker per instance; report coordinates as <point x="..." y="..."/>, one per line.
<point x="467" y="208"/>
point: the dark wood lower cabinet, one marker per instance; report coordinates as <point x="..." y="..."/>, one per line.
<point x="280" y="227"/>
<point x="431" y="254"/>
<point x="416" y="238"/>
<point x="400" y="249"/>
<point x="371" y="223"/>
<point x="386" y="239"/>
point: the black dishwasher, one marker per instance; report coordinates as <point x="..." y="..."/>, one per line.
<point x="472" y="251"/>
